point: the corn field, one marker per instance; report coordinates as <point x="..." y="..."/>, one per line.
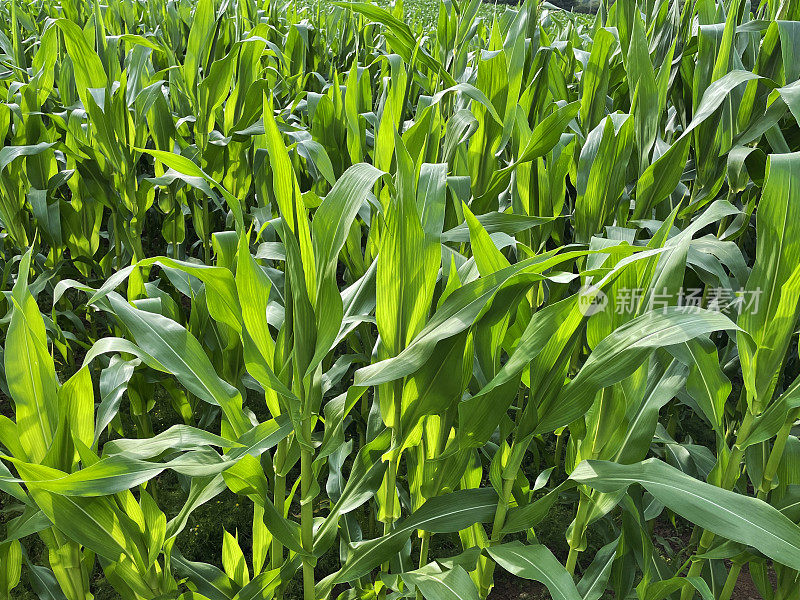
<point x="439" y="307"/>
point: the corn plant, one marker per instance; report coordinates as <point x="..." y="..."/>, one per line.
<point x="420" y="302"/>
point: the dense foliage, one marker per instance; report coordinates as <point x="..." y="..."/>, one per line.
<point x="389" y="284"/>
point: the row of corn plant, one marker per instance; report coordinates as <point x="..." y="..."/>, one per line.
<point x="435" y="307"/>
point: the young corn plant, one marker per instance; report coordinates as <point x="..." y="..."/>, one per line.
<point x="412" y="306"/>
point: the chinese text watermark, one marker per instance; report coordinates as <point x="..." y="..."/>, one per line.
<point x="627" y="301"/>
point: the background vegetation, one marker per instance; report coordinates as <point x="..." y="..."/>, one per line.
<point x="443" y="301"/>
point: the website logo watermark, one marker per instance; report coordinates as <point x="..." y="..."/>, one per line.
<point x="591" y="300"/>
<point x="628" y="301"/>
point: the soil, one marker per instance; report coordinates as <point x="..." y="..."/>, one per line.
<point x="745" y="588"/>
<point x="508" y="587"/>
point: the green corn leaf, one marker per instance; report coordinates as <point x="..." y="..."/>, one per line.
<point x="160" y="337"/>
<point x="452" y="512"/>
<point x="537" y="563"/>
<point x="454" y="584"/>
<point x="772" y="288"/>
<point x="30" y="371"/>
<point x="733" y="516"/>
<point x="621" y="353"/>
